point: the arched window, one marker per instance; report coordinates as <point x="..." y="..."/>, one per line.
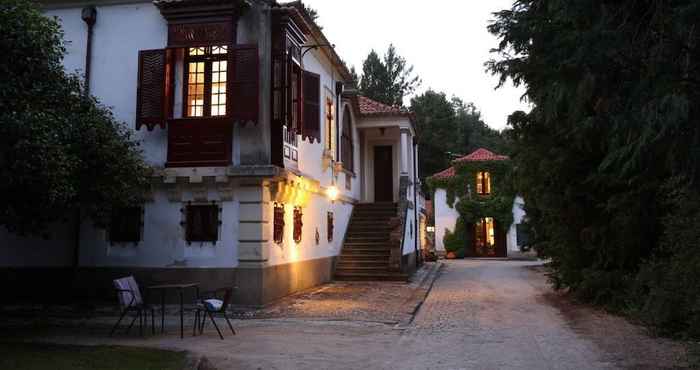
<point x="347" y="148"/>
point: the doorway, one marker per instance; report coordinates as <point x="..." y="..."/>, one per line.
<point x="383" y="174"/>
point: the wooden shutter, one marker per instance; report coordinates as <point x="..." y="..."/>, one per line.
<point x="152" y="92"/>
<point x="311" y="125"/>
<point x="243" y="77"/>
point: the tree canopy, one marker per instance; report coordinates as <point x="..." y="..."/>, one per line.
<point x="449" y="128"/>
<point x="388" y="80"/>
<point x="60" y="149"/>
<point x="614" y="132"/>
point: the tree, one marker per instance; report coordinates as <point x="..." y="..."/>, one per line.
<point x="60" y="150"/>
<point x="388" y="81"/>
<point x="616" y="115"/>
<point x="449" y="128"/>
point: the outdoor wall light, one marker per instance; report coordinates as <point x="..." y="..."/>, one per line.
<point x="430" y="229"/>
<point x="332" y="193"/>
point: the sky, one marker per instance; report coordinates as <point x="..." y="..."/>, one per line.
<point x="446" y="41"/>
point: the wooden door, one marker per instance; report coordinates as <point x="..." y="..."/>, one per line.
<point x="383" y="174"/>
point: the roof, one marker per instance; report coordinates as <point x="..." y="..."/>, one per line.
<point x="444" y="174"/>
<point x="319" y="36"/>
<point x="478" y="155"/>
<point x="369" y="107"/>
<point x="482" y="154"/>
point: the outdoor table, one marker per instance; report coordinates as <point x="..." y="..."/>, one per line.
<point x="180" y="288"/>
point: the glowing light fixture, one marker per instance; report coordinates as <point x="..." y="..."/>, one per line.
<point x="430" y="229"/>
<point x="332" y="193"/>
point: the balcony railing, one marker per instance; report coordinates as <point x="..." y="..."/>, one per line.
<point x="199" y="142"/>
<point x="291" y="142"/>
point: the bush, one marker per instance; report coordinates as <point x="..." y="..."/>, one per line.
<point x="667" y="290"/>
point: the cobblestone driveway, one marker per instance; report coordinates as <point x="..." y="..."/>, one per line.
<point x="479" y="315"/>
<point x="491" y="314"/>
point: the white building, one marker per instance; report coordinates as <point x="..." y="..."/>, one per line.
<point x="243" y="113"/>
<point x="485" y="238"/>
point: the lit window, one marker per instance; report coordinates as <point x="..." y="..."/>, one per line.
<point x="206" y="71"/>
<point x="483" y="183"/>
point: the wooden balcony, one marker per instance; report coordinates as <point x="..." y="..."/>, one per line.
<point x="199" y="142"/>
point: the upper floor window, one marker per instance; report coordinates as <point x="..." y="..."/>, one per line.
<point x="206" y="71"/>
<point x="483" y="183"/>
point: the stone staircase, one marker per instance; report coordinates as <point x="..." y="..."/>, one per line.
<point x="366" y="251"/>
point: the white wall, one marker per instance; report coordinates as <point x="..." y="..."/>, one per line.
<point x="314" y="218"/>
<point x="518" y="215"/>
<point x="121" y="31"/>
<point x="445" y="217"/>
<point x="163" y="243"/>
<point x="55" y="251"/>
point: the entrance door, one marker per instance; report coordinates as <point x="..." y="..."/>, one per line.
<point x="383" y="174"/>
<point x="489" y="240"/>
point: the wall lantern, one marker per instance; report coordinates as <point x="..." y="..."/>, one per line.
<point x="430" y="229"/>
<point x="332" y="193"/>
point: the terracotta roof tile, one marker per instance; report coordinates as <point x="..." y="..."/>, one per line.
<point x="369" y="107"/>
<point x="444" y="174"/>
<point x="482" y="154"/>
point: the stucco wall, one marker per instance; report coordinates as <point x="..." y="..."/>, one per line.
<point x="518" y="215"/>
<point x="54" y="251"/>
<point x="163" y="243"/>
<point x="445" y="217"/>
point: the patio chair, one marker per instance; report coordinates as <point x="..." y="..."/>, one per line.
<point x="212" y="304"/>
<point x="130" y="300"/>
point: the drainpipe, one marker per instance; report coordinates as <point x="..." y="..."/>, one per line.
<point x="416" y="221"/>
<point x="89" y="16"/>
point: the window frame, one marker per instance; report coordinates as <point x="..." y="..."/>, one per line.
<point x="208" y="59"/>
<point x="134" y="214"/>
<point x="483" y="183"/>
<point x="209" y="236"/>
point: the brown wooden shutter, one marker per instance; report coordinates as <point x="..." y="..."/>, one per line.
<point x="152" y="98"/>
<point x="311" y="125"/>
<point x="244" y="96"/>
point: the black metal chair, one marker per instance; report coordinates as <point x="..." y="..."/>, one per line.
<point x="212" y="304"/>
<point x="130" y="300"/>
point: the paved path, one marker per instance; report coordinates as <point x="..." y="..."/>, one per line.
<point x="479" y="315"/>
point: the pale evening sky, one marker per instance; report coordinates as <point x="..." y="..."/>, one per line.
<point x="445" y="40"/>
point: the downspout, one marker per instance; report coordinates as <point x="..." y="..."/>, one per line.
<point x="89" y="16"/>
<point x="415" y="206"/>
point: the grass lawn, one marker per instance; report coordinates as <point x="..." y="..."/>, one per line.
<point x="39" y="356"/>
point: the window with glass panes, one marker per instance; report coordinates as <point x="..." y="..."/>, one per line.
<point x="205" y="72"/>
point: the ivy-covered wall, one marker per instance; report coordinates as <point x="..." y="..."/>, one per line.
<point x="462" y="196"/>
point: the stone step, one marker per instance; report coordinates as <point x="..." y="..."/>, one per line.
<point x="363" y="257"/>
<point x="366" y="250"/>
<point x="366" y="239"/>
<point x="371" y="276"/>
<point x="362" y="265"/>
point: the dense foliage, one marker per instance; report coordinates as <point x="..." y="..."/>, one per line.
<point x="388" y="80"/>
<point x="59" y="148"/>
<point x="449" y="128"/>
<point x="470" y="206"/>
<point x="616" y="102"/>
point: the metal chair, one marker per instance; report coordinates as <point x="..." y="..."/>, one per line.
<point x="210" y="305"/>
<point x="130" y="300"/>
